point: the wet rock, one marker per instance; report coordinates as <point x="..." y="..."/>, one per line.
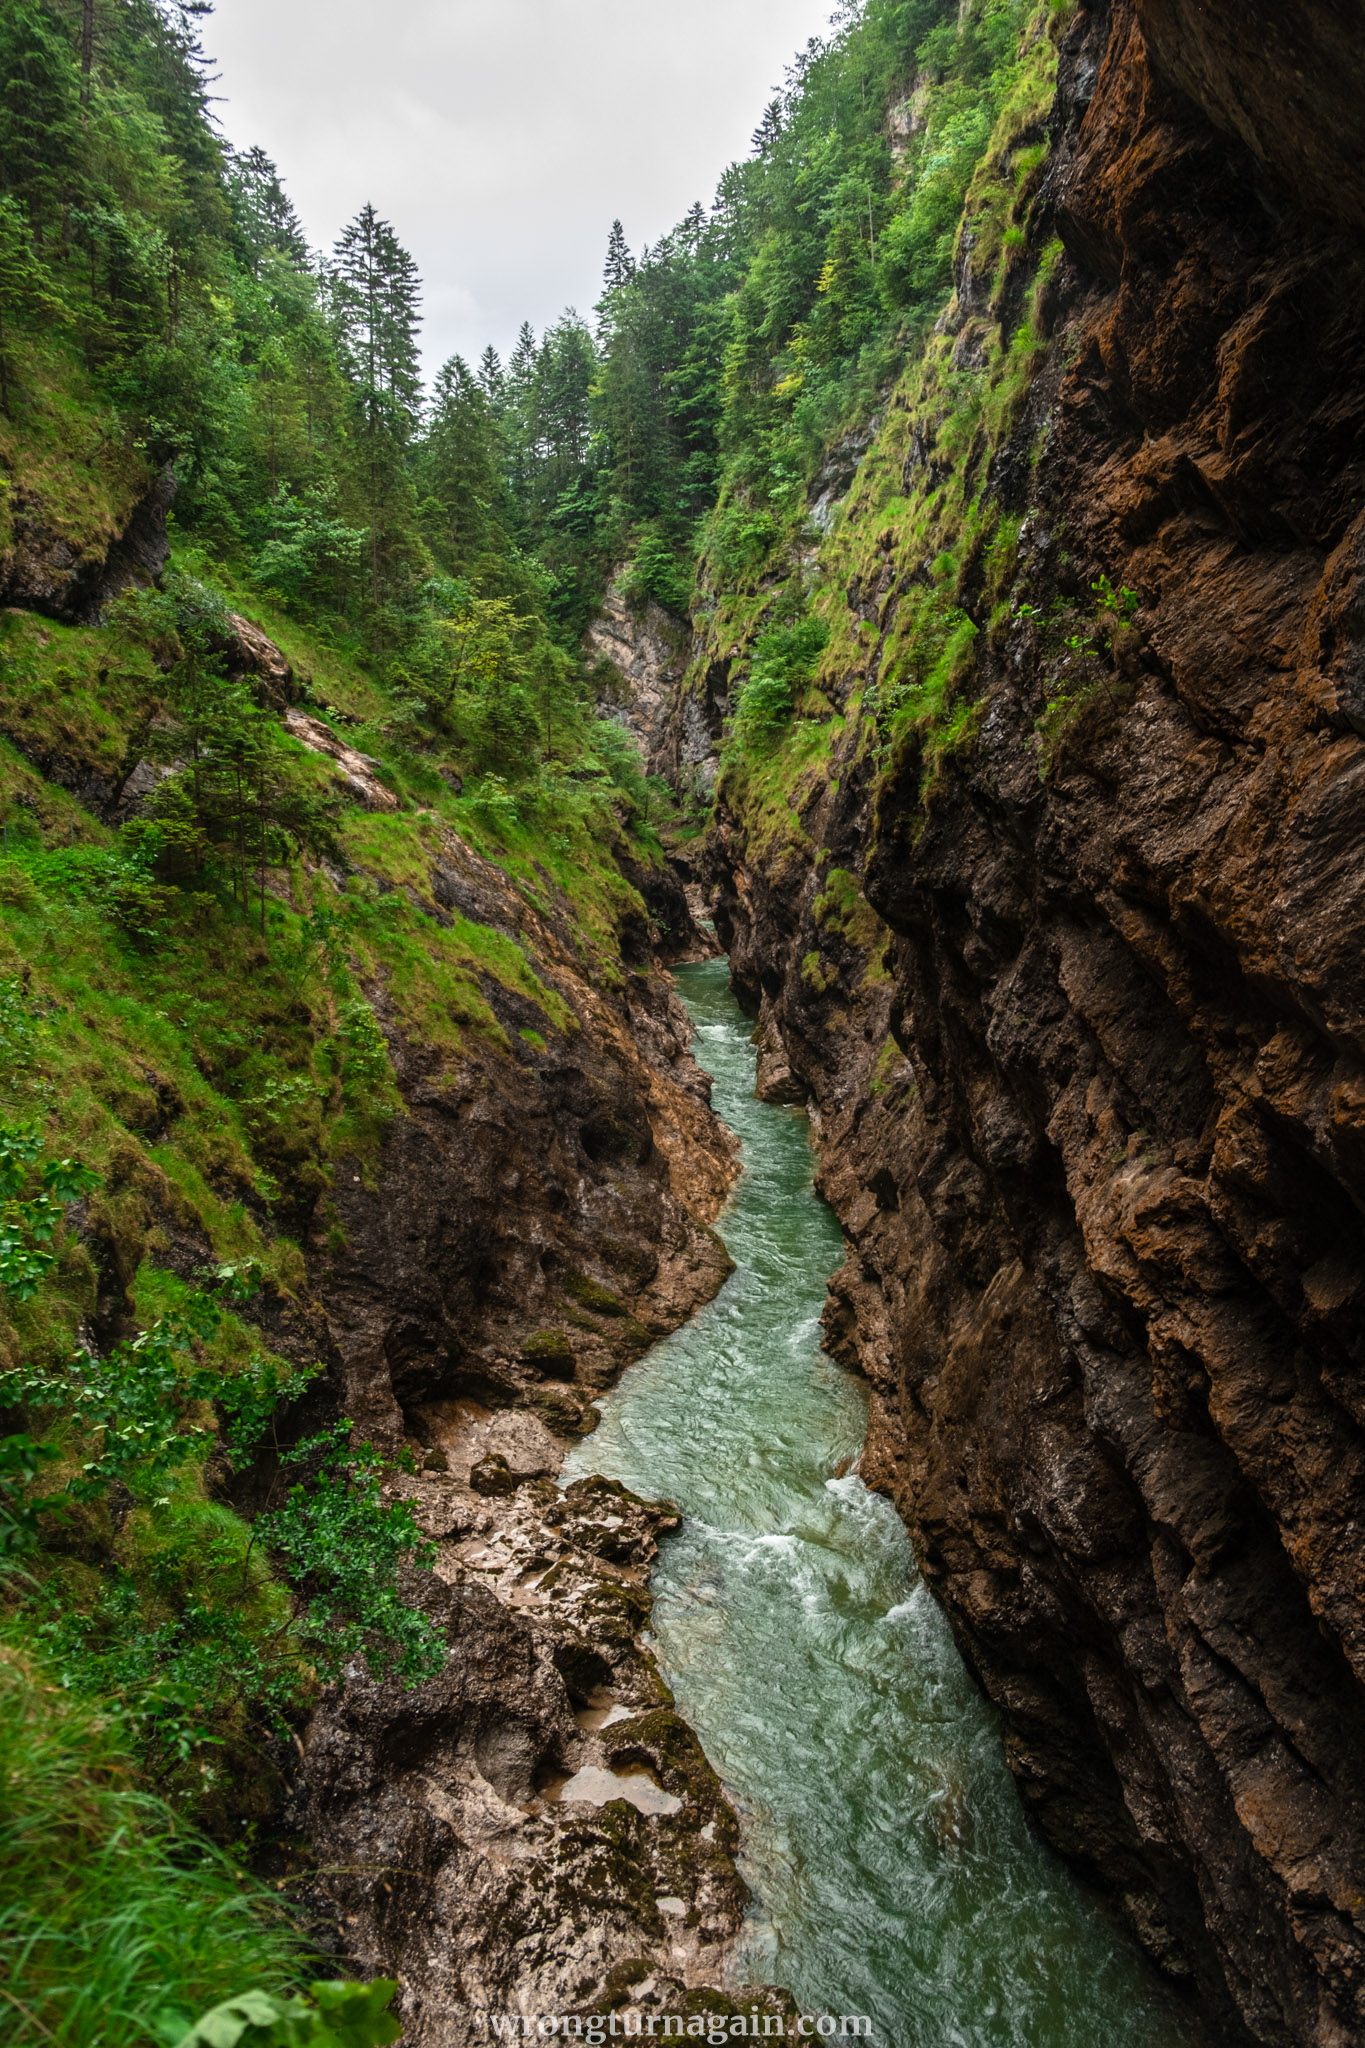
<point x="492" y="1476"/>
<point x="534" y="1829"/>
<point x="536" y="1216"/>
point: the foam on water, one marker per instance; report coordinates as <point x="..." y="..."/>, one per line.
<point x="884" y="1841"/>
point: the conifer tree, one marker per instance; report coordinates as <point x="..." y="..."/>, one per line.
<point x="263" y="210"/>
<point x="769" y="129"/>
<point x="42" y="141"/>
<point x="565" y="367"/>
<point x="692" y="230"/>
<point x="376" y="293"/>
<point x="521" y="368"/>
<point x="375" y="290"/>
<point x="619" y="268"/>
<point x="459" y="467"/>
<point x="27" y="291"/>
<point x="518" y="415"/>
<point x="491" y="379"/>
<point x="402" y="319"/>
<point x="87" y="47"/>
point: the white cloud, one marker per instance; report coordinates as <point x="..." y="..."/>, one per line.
<point x="502" y="137"/>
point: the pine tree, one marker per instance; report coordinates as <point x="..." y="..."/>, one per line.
<point x="375" y="294"/>
<point x="619" y="268"/>
<point x="521" y="368"/>
<point x="402" y="319"/>
<point x="769" y="129"/>
<point x="491" y="377"/>
<point x="692" y="231"/>
<point x="358" y="297"/>
<point x="518" y="416"/>
<point x="27" y="292"/>
<point x="42" y="137"/>
<point x="374" y="291"/>
<point x="459" y="468"/>
<point x="87" y="48"/>
<point x="565" y="368"/>
<point x="263" y="210"/>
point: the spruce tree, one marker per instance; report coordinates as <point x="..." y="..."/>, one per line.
<point x="42" y="136"/>
<point x="402" y="319"/>
<point x="518" y="416"/>
<point x="358" y="297"/>
<point x="521" y="368"/>
<point x="27" y="290"/>
<point x="263" y="210"/>
<point x="459" y="468"/>
<point x="769" y="129"/>
<point x="491" y="378"/>
<point x="375" y="294"/>
<point x="374" y="290"/>
<point x="619" y="268"/>
<point x="692" y="231"/>
<point x="565" y="368"/>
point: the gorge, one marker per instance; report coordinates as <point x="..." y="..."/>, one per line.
<point x="944" y="642"/>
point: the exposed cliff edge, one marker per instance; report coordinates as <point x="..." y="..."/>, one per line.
<point x="1085" y="1048"/>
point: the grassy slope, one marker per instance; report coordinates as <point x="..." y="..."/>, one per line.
<point x="919" y="496"/>
<point x="216" y="1078"/>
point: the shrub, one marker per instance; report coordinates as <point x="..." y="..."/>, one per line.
<point x="784" y="657"/>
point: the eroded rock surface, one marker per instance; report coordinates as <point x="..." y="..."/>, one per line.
<point x="1095" y="1128"/>
<point x="646" y="651"/>
<point x="539" y="1214"/>
<point x="70" y="567"/>
<point x="535" y="1830"/>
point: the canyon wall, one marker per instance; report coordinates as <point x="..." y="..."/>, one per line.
<point x="533" y="1829"/>
<point x="1075" y="990"/>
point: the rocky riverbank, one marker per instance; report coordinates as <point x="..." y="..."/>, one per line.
<point x="535" y="1830"/>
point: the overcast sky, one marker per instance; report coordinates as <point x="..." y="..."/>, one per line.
<point x="502" y="137"/>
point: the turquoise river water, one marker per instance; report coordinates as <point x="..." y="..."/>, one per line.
<point x="892" y="1869"/>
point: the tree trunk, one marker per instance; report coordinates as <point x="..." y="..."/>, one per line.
<point x="87" y="47"/>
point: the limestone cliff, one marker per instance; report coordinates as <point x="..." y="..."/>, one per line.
<point x="1085" y="1048"/>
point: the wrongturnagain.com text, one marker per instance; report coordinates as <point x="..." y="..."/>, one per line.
<point x="711" y="2027"/>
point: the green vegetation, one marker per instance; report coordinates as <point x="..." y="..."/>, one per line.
<point x="220" y="861"/>
<point x="118" y="1922"/>
<point x="915" y="565"/>
<point x="200" y="983"/>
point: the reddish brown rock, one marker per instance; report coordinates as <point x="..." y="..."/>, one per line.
<point x="1104" y="1183"/>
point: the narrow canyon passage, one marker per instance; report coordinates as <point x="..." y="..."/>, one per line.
<point x="892" y="1868"/>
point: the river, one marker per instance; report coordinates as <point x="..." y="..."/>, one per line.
<point x="883" y="1838"/>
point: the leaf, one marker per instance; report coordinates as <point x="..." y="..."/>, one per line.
<point x="342" y="2015"/>
<point x="226" y="2025"/>
<point x="357" y="2015"/>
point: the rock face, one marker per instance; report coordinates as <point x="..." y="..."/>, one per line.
<point x="540" y="1213"/>
<point x="357" y="770"/>
<point x="68" y="570"/>
<point x="647" y="654"/>
<point x="534" y="1830"/>
<point x="1091" y="1084"/>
